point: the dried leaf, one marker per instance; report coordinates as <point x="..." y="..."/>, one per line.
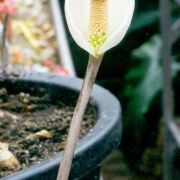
<point x="7" y="159"/>
<point x="40" y="134"/>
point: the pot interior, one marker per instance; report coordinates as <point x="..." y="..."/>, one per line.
<point x="29" y="108"/>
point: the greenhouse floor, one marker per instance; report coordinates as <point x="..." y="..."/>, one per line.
<point x="115" y="167"/>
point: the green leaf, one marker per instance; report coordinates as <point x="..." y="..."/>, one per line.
<point x="144" y="79"/>
<point x="143" y="19"/>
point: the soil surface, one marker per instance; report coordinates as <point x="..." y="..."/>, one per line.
<point x="34" y="128"/>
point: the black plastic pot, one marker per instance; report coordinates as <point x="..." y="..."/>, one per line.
<point x="92" y="148"/>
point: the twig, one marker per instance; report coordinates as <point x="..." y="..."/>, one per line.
<point x="4" y="54"/>
<point x="75" y="126"/>
<point x="5" y="24"/>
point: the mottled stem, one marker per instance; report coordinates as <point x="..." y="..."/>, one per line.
<point x="75" y="127"/>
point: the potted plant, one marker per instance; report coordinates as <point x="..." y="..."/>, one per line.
<point x="103" y="34"/>
<point x="32" y="34"/>
<point x="22" y="89"/>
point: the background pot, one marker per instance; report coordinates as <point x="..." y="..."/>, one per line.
<point x="63" y="47"/>
<point x="91" y="149"/>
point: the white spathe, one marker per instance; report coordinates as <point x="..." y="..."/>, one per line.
<point x="77" y="14"/>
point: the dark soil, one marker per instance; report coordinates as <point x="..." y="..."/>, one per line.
<point x="23" y="114"/>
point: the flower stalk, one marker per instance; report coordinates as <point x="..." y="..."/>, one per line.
<point x="91" y="72"/>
